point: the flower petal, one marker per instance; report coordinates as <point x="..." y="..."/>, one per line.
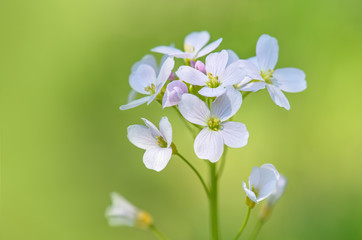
<point x="141" y="136"/>
<point x="251" y="69"/>
<point x="226" y="105"/>
<point x="290" y="79"/>
<point x="166" y="130"/>
<point x="144" y="76"/>
<point x="254" y="60"/>
<point x="233" y="57"/>
<point x="252" y="86"/>
<point x="153" y="129"/>
<point x="212" y="92"/>
<point x="254" y="178"/>
<point x="249" y="193"/>
<point x="216" y="62"/>
<point x="157" y="158"/>
<point x="147" y="59"/>
<point x="235" y="134"/>
<point x="135" y="103"/>
<point x="209" y="48"/>
<point x="197" y="40"/>
<point x="193" y="109"/>
<point x="233" y="74"/>
<point x="278" y="96"/>
<point x="191" y="76"/>
<point x="209" y="145"/>
<point x="166" y="50"/>
<point x="267" y="51"/>
<point x="131" y="96"/>
<point x="271" y="167"/>
<point x="173" y="93"/>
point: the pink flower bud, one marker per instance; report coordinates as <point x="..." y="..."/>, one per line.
<point x="192" y="63"/>
<point x="172" y="77"/>
<point x="173" y="93"/>
<point x="200" y="66"/>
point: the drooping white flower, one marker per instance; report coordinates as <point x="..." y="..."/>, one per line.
<point x="173" y="93"/>
<point x="123" y="213"/>
<point x="262" y="183"/>
<point x="157" y="143"/>
<point x="278" y="191"/>
<point x="218" y="75"/>
<point x="209" y="143"/>
<point x="194" y="46"/>
<point x="145" y="80"/>
<point x="262" y="72"/>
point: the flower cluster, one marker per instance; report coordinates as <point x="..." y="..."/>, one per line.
<point x="206" y="89"/>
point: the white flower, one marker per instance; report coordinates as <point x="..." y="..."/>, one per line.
<point x="209" y="143"/>
<point x="173" y="93"/>
<point x="278" y="191"/>
<point x="218" y="75"/>
<point x="262" y="183"/>
<point x="157" y="143"/>
<point x="261" y="70"/>
<point x="193" y="46"/>
<point x="143" y="80"/>
<point x="123" y="213"/>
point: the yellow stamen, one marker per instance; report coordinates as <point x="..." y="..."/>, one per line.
<point x="213" y="81"/>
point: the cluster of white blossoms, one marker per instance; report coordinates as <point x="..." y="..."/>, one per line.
<point x="207" y="90"/>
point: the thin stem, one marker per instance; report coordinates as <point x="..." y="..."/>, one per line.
<point x="214" y="225"/>
<point x="157" y="232"/>
<point x="257" y="228"/>
<point x="244" y="224"/>
<point x="222" y="164"/>
<point x="197" y="172"/>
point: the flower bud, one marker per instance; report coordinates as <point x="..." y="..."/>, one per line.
<point x="174" y="93"/>
<point x="200" y="66"/>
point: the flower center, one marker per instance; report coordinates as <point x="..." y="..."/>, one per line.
<point x="151" y="89"/>
<point x="189" y="48"/>
<point x="161" y="142"/>
<point x="213" y="81"/>
<point x="214" y="124"/>
<point x="267" y="76"/>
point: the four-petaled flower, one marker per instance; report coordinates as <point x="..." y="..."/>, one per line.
<point x="276" y="81"/>
<point x="124" y="213"/>
<point x="218" y="75"/>
<point x="157" y="143"/>
<point x="209" y="143"/>
<point x="193" y="46"/>
<point x="143" y="80"/>
<point x="262" y="183"/>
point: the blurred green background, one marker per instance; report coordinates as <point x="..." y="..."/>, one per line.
<point x="64" y="72"/>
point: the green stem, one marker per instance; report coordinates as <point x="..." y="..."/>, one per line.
<point x="214" y="225"/>
<point x="157" y="232"/>
<point x="257" y="228"/>
<point x="222" y="164"/>
<point x="244" y="224"/>
<point x="197" y="173"/>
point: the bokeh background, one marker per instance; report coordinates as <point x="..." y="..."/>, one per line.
<point x="64" y="72"/>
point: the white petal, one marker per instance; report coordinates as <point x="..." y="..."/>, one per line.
<point x="157" y="158"/>
<point x="131" y="96"/>
<point x="290" y="79"/>
<point x="251" y="69"/>
<point x="209" y="145"/>
<point x="209" y="48"/>
<point x="254" y="60"/>
<point x="252" y="86"/>
<point x="216" y="62"/>
<point x="271" y="167"/>
<point x="166" y="50"/>
<point x="233" y="57"/>
<point x="135" y="103"/>
<point x="193" y="109"/>
<point x="197" y="40"/>
<point x="268" y="180"/>
<point x="212" y="92"/>
<point x="184" y="55"/>
<point x="120" y="201"/>
<point x="249" y="193"/>
<point x="144" y="76"/>
<point x="153" y="129"/>
<point x="147" y="59"/>
<point x="162" y="78"/>
<point x="233" y="74"/>
<point x="141" y="136"/>
<point x="267" y="51"/>
<point x="166" y="130"/>
<point x="266" y="190"/>
<point x="226" y="105"/>
<point x="254" y="178"/>
<point x="278" y="96"/>
<point x="191" y="75"/>
<point x="235" y="134"/>
<point x="279" y="190"/>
